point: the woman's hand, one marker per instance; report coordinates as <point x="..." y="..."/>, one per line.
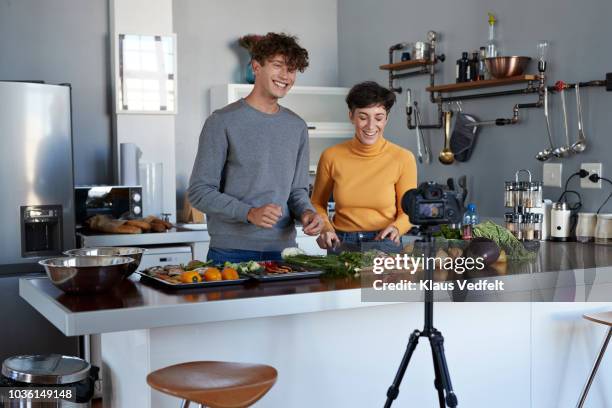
<point x="328" y="240"/>
<point x="390" y="232"/>
<point x="312" y="222"/>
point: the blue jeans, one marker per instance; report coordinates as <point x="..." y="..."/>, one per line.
<point x="364" y="241"/>
<point x="221" y="255"/>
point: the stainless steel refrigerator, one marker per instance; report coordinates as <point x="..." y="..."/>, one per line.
<point x="36" y="206"/>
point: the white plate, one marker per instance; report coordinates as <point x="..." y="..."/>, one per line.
<point x="196" y="227"/>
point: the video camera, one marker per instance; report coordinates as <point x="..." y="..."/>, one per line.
<point x="432" y="204"/>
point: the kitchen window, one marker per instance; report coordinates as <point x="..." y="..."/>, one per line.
<point x="146" y="73"/>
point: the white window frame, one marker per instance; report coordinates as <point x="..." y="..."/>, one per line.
<point x="120" y="89"/>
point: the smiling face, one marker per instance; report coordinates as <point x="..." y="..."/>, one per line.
<point x="369" y="123"/>
<point x="274" y="79"/>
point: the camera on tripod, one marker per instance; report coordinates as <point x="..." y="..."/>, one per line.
<point x="428" y="205"/>
<point x="432" y="204"/>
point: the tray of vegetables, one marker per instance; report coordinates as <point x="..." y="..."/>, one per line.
<point x="279" y="270"/>
<point x="196" y="274"/>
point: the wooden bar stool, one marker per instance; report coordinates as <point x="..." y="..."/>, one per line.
<point x="602" y="318"/>
<point x="214" y="384"/>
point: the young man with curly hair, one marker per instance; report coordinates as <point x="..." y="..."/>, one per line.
<point x="251" y="171"/>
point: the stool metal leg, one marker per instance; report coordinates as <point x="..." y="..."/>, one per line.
<point x="602" y="351"/>
<point x="186" y="404"/>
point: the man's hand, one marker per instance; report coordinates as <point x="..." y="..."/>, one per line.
<point x="328" y="240"/>
<point x="312" y="222"/>
<point x="265" y="216"/>
<point x="390" y="232"/>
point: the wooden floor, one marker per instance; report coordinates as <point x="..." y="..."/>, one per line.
<point x="97" y="403"/>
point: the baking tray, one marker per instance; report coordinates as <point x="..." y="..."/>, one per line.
<point x="297" y="273"/>
<point x="204" y="284"/>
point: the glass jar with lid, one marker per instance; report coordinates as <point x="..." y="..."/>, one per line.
<point x="536" y="194"/>
<point x="509" y="200"/>
<point x="509" y="217"/>
<point x="528" y="227"/>
<point x="523" y="193"/>
<point x="518" y="225"/>
<point x="537" y="226"/>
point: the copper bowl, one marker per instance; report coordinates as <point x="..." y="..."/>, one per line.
<point x="86" y="274"/>
<point x="131" y="252"/>
<point x="506" y="67"/>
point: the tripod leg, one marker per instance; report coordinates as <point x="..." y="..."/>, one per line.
<point x="437" y="345"/>
<point x="437" y="380"/>
<point x="393" y="390"/>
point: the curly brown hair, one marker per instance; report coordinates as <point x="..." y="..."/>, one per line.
<point x="283" y="44"/>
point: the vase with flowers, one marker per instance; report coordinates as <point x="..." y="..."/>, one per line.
<point x="248" y="42"/>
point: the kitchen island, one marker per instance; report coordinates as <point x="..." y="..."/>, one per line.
<point x="332" y="348"/>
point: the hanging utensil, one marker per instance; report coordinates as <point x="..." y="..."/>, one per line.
<point x="579" y="145"/>
<point x="566" y="150"/>
<point x="418" y="135"/>
<point x="446" y="156"/>
<point x="464" y="191"/>
<point x="408" y="114"/>
<point x="547" y="153"/>
<point x="426" y="158"/>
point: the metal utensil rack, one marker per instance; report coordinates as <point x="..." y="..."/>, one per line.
<point x="522" y="198"/>
<point x="535" y="85"/>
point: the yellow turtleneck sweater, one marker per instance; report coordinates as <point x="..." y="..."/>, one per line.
<point x="368" y="182"/>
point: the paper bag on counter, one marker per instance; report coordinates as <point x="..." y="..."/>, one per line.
<point x="191" y="214"/>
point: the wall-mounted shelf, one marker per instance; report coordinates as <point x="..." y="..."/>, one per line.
<point x="398" y="66"/>
<point x="466" y="86"/>
<point x="338" y="130"/>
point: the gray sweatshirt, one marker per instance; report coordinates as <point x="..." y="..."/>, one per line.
<point x="247" y="158"/>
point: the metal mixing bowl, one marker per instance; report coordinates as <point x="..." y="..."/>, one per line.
<point x="131" y="252"/>
<point x="86" y="274"/>
<point x="506" y="67"/>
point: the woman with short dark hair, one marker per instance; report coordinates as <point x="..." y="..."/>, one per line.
<point x="368" y="175"/>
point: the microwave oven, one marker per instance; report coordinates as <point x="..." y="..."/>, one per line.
<point x="123" y="202"/>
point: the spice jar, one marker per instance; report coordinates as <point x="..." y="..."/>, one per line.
<point x="518" y="226"/>
<point x="536" y="194"/>
<point x="510" y="222"/>
<point x="528" y="227"/>
<point x="523" y="194"/>
<point x="509" y="200"/>
<point x="537" y="226"/>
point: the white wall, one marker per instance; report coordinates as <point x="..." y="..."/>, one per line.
<point x="208" y="55"/>
<point x="154" y="134"/>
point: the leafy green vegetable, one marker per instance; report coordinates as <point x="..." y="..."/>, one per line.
<point x="345" y="264"/>
<point x="515" y="250"/>
<point x="195" y="265"/>
<point x="448" y="232"/>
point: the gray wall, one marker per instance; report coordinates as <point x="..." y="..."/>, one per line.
<point x="579" y="33"/>
<point x="207" y="55"/>
<point x="65" y="41"/>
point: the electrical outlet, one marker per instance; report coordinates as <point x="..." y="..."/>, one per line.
<point x="552" y="174"/>
<point x="592" y="168"/>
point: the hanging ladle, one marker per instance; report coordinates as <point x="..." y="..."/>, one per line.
<point x="547" y="153"/>
<point x="579" y="145"/>
<point x="563" y="151"/>
<point x="446" y="155"/>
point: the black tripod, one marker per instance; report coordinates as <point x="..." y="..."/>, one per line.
<point x="442" y="380"/>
